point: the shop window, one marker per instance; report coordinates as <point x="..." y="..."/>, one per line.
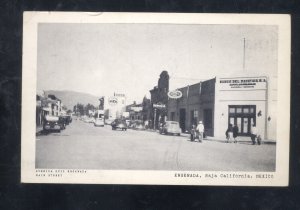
<point x="246" y="110"/>
<point x="195" y="113"/>
<point x="231" y="110"/>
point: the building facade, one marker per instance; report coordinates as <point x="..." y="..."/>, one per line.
<point x="196" y="103"/>
<point x="50" y="105"/>
<point x="114" y="106"/>
<point x="159" y="96"/>
<point x="244" y="101"/>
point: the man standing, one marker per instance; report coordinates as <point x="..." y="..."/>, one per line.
<point x="200" y="130"/>
<point x="253" y="134"/>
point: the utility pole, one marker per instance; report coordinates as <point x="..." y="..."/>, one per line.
<point x="244" y="52"/>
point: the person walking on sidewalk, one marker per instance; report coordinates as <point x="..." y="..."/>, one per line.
<point x="229" y="133"/>
<point x="200" y="130"/>
<point x="235" y="132"/>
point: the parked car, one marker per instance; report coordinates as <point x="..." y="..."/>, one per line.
<point x="99" y="122"/>
<point x="119" y="124"/>
<point x="52" y="123"/>
<point x="62" y="122"/>
<point x="69" y="119"/>
<point x="138" y="125"/>
<point x="170" y="127"/>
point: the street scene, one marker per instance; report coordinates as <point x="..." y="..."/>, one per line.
<point x="150" y="97"/>
<point x="85" y="146"/>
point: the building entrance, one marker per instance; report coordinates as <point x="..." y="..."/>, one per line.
<point x="243" y="116"/>
<point x="182" y="116"/>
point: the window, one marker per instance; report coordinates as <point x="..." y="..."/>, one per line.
<point x="238" y="110"/>
<point x="195" y="113"/>
<point x="231" y="110"/>
<point x="246" y="110"/>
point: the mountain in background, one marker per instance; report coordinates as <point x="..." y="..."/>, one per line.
<point x="71" y="98"/>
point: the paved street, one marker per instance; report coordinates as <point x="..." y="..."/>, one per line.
<point x="83" y="146"/>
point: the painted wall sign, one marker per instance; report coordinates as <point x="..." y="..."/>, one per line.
<point x="175" y="94"/>
<point x="243" y="83"/>
<point x="112" y="101"/>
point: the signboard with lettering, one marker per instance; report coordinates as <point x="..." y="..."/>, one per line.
<point x="119" y="95"/>
<point x="159" y="106"/>
<point x="245" y="83"/>
<point x="175" y="94"/>
<point x="112" y="101"/>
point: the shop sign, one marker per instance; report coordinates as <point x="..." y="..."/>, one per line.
<point x="159" y="106"/>
<point x="243" y="83"/>
<point x="175" y="94"/>
<point x="112" y="101"/>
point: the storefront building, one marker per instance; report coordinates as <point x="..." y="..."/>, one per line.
<point x="196" y="103"/>
<point x="159" y="100"/>
<point x="244" y="101"/>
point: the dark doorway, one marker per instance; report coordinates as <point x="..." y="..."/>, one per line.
<point x="182" y="116"/>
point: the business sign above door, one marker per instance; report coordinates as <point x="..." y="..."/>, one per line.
<point x="243" y="83"/>
<point x="175" y="94"/>
<point x="112" y="101"/>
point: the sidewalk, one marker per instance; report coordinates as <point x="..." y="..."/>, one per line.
<point x="244" y="139"/>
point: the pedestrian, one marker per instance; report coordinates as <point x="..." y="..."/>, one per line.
<point x="200" y="130"/>
<point x="229" y="133"/>
<point x="193" y="129"/>
<point x="235" y="132"/>
<point x="253" y="134"/>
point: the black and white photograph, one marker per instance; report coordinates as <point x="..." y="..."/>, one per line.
<point x="136" y="98"/>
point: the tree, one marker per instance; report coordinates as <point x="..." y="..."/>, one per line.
<point x="79" y="109"/>
<point x="89" y="107"/>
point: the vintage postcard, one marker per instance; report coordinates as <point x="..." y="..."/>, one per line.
<point x="156" y="98"/>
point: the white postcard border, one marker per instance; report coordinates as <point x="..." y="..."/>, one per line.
<point x="29" y="72"/>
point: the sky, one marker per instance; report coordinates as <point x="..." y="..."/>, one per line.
<point x="101" y="59"/>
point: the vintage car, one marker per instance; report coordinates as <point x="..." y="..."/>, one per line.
<point x="99" y="122"/>
<point x="119" y="124"/>
<point x="68" y="119"/>
<point x="138" y="125"/>
<point x="53" y="123"/>
<point x="170" y="127"/>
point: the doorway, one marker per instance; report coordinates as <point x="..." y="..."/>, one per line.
<point x="182" y="117"/>
<point x="243" y="116"/>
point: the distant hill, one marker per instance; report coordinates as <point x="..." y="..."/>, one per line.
<point x="71" y="98"/>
